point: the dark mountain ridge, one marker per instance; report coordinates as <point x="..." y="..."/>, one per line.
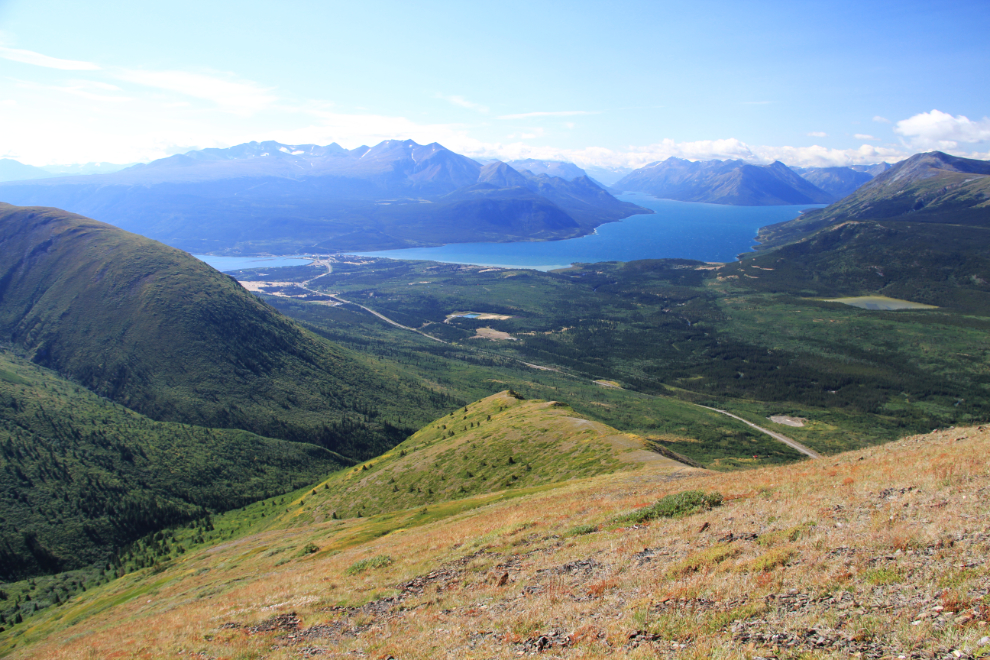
<point x="928" y="187"/>
<point x="919" y="231"/>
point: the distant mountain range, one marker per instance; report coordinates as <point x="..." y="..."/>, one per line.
<point x="272" y="197"/>
<point x="560" y="168"/>
<point x="836" y="181"/>
<point x="12" y="170"/>
<point x="737" y="182"/>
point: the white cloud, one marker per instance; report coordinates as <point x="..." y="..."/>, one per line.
<point x="728" y="149"/>
<point x="37" y="59"/>
<point x="940" y="130"/>
<point x="817" y="134"/>
<point x="464" y="103"/>
<point x="226" y="91"/>
<point x="882" y="120"/>
<point x="558" y="113"/>
<point x="863" y="136"/>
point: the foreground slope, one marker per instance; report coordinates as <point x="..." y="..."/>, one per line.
<point x="875" y="553"/>
<point x="81" y="477"/>
<point x="166" y="335"/>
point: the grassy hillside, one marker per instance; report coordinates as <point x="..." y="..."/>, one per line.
<point x="493" y="444"/>
<point x="873" y="553"/>
<point x="164" y="334"/>
<point x="81" y="477"/>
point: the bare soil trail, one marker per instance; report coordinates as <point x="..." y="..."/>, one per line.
<point x="793" y="444"/>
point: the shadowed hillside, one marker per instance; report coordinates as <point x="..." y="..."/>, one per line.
<point x="81" y="477"/>
<point x="166" y="335"/>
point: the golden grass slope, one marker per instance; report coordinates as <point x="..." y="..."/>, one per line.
<point x="879" y="553"/>
<point x="499" y="442"/>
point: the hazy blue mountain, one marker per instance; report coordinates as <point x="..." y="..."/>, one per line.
<point x="582" y="198"/>
<point x="85" y="168"/>
<point x="564" y="170"/>
<point x="607" y="176"/>
<point x="273" y="197"/>
<point x="502" y="175"/>
<point x="12" y="170"/>
<point x="837" y="181"/>
<point x="873" y="170"/>
<point x="732" y="182"/>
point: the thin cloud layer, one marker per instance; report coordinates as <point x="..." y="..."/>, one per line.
<point x="556" y="113"/>
<point x="464" y="103"/>
<point x="37" y="59"/>
<point x="239" y="96"/>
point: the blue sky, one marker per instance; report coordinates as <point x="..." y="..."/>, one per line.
<point x="610" y="84"/>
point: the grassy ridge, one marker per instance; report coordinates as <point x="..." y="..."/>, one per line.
<point x="166" y="335"/>
<point x="499" y="442"/>
<point x="81" y="476"/>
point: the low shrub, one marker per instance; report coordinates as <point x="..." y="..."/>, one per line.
<point x="676" y="505"/>
<point x="581" y="529"/>
<point x="379" y="561"/>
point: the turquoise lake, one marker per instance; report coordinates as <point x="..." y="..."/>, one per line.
<point x="706" y="232"/>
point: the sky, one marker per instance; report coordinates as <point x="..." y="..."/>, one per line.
<point x="617" y="84"/>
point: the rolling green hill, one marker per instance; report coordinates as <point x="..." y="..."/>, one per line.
<point x="81" y="476"/>
<point x="164" y="334"/>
